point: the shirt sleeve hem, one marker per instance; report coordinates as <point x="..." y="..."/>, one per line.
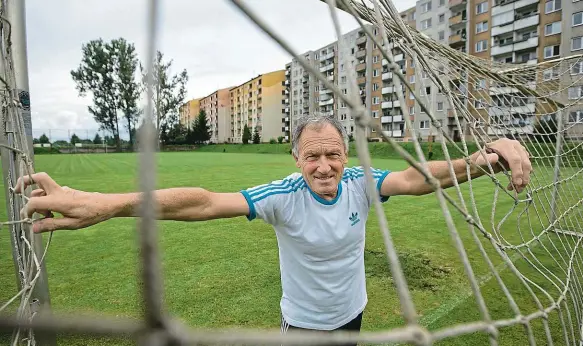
<point x="380" y="184"/>
<point x="252" y="212"/>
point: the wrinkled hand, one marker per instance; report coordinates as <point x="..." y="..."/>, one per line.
<point x="512" y="156"/>
<point x="79" y="209"/>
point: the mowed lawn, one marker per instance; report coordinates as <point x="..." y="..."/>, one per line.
<point x="225" y="273"/>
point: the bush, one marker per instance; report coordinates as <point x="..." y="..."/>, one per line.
<point x="272" y="141"/>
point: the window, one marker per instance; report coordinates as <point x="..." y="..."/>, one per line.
<point x="424" y="124"/>
<point x="375" y="59"/>
<point x="427" y="90"/>
<point x="375" y="114"/>
<point x="411" y="110"/>
<point x="426" y="7"/>
<point x="441" y="35"/>
<point x="481" y="27"/>
<point x="551" y="73"/>
<point x="577" y="18"/>
<point x="577" y="68"/>
<point x="552" y="6"/>
<point x="482" y="7"/>
<point x="481" y="46"/>
<point x="425" y="24"/>
<point x="440" y="106"/>
<point x="441" y="2"/>
<point x="376" y="100"/>
<point x="553" y="28"/>
<point x="576" y="43"/>
<point x="342" y="104"/>
<point x="343" y="79"/>
<point x="441" y="18"/>
<point x="480" y="84"/>
<point x="576" y="116"/>
<point x="575" y="92"/>
<point x="412" y="79"/>
<point x="551" y="51"/>
<point x="479" y="104"/>
<point x="375" y="87"/>
<point x="375" y="72"/>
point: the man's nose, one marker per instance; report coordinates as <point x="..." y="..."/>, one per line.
<point x="324" y="165"/>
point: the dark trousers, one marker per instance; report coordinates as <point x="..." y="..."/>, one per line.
<point x="352" y="326"/>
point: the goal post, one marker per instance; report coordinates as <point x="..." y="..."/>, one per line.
<point x="17" y="154"/>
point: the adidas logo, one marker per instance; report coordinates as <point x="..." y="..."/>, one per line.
<point x="354" y="219"/>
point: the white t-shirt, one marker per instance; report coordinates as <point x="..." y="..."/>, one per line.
<point x="321" y="245"/>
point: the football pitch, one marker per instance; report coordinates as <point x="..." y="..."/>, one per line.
<point x="225" y="273"/>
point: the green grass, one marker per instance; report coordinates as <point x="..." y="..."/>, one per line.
<point x="225" y="273"/>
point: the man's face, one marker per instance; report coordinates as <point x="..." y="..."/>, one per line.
<point x="321" y="157"/>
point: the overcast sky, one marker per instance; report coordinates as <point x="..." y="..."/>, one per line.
<point x="212" y="40"/>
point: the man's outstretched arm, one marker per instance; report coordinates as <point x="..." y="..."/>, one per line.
<point x="509" y="153"/>
<point x="81" y="209"/>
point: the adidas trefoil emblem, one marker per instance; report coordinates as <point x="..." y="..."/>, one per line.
<point x="354" y="219"/>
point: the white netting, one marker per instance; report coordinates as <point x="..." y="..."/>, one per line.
<point x="535" y="240"/>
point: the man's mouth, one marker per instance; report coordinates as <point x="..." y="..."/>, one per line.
<point x="324" y="179"/>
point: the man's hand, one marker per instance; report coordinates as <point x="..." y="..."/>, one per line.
<point x="512" y="156"/>
<point x="79" y="209"/>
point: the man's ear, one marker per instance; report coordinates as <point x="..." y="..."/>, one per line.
<point x="297" y="160"/>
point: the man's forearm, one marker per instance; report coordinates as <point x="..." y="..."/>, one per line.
<point x="441" y="171"/>
<point x="181" y="204"/>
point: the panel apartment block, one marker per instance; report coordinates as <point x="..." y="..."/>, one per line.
<point x="216" y="107"/>
<point x="258" y="103"/>
<point x="188" y="112"/>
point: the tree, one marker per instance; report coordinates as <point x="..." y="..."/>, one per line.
<point x="97" y="139"/>
<point x="125" y="63"/>
<point x="246" y="134"/>
<point x="256" y="138"/>
<point x="96" y="75"/>
<point x="168" y="93"/>
<point x="75" y="139"/>
<point x="44" y="139"/>
<point x="201" y="128"/>
<point x="546" y="129"/>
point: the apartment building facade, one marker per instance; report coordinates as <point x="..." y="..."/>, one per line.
<point x="188" y="112"/>
<point x="217" y="106"/>
<point x="373" y="82"/>
<point x="258" y="103"/>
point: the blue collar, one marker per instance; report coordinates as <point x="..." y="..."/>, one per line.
<point x="322" y="200"/>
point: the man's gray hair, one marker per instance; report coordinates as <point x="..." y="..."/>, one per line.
<point x="317" y="120"/>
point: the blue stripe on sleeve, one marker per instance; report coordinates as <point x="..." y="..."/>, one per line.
<point x="252" y="213"/>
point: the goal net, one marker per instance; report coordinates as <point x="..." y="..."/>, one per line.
<point x="522" y="249"/>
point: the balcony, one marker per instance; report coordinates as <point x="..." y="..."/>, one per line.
<point x="394" y="133"/>
<point x="454" y="4"/>
<point x="526" y="44"/>
<point x="386" y="119"/>
<point x="459" y="19"/>
<point x="360" y="53"/>
<point x="326" y="68"/>
<point x="387" y="75"/>
<point x="390" y="104"/>
<point x="388" y="90"/>
<point x="506" y="110"/>
<point x="286" y="109"/>
<point x="330" y="77"/>
<point x="361" y="40"/>
<point x="360" y="67"/>
<point x="512" y="5"/>
<point x="327" y="56"/>
<point x="361" y="80"/>
<point x="398" y="57"/>
<point x="325" y="91"/>
<point x="502" y="49"/>
<point x="327" y="102"/>
<point x="516" y="25"/>
<point x="456" y="40"/>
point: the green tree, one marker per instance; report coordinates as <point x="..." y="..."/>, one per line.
<point x="280" y="139"/>
<point x="246" y="134"/>
<point x="125" y="63"/>
<point x="75" y="139"/>
<point x="96" y="75"/>
<point x="97" y="139"/>
<point x="256" y="138"/>
<point x="201" y="128"/>
<point x="546" y="130"/>
<point x="168" y="93"/>
<point x="44" y="139"/>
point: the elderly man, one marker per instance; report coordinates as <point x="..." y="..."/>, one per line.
<point x="319" y="216"/>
